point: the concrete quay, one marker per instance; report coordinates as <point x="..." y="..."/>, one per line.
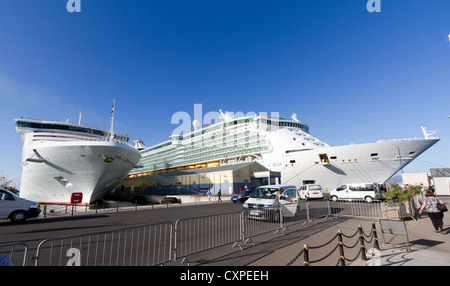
<point x="427" y="248"/>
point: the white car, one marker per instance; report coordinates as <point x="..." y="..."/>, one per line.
<point x="367" y="192"/>
<point x="266" y="201"/>
<point x="15" y="208"/>
<point x="311" y="191"/>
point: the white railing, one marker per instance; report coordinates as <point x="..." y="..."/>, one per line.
<point x="406" y="139"/>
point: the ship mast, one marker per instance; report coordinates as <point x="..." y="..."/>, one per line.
<point x="426" y="133"/>
<point x="111" y="131"/>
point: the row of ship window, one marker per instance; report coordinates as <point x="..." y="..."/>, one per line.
<point x="203" y="149"/>
<point x="198" y="159"/>
<point x="195" y="154"/>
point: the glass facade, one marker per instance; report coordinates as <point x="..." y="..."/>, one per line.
<point x="232" y="139"/>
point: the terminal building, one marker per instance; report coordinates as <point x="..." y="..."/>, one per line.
<point x="441" y="179"/>
<point x="227" y="178"/>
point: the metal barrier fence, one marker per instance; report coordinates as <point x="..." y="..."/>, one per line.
<point x="164" y="242"/>
<point x="257" y="222"/>
<point x="376" y="209"/>
<point x="357" y="208"/>
<point x="12" y="255"/>
<point x="140" y="245"/>
<point x="196" y="234"/>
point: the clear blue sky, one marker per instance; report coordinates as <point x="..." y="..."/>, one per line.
<point x="346" y="72"/>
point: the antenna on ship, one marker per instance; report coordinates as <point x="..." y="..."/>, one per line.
<point x="426" y="133"/>
<point x="79" y="118"/>
<point x="111" y="131"/>
<point x="225" y="116"/>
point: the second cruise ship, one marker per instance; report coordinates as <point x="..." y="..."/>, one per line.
<point x="282" y="145"/>
<point x="60" y="159"/>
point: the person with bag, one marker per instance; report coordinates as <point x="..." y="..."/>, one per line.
<point x="431" y="206"/>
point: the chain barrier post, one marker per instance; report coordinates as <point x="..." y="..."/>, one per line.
<point x="374" y="230"/>
<point x="361" y="240"/>
<point x="306" y="255"/>
<point x="341" y="248"/>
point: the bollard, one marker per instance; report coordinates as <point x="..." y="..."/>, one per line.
<point x="374" y="229"/>
<point x="341" y="248"/>
<point x="361" y="240"/>
<point x="306" y="255"/>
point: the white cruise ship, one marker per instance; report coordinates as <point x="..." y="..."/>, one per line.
<point x="62" y="158"/>
<point x="282" y="145"/>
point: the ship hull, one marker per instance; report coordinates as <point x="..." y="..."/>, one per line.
<point x="356" y="163"/>
<point x="92" y="168"/>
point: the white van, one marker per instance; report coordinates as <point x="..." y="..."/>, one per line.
<point x="16" y="209"/>
<point x="310" y="191"/>
<point x="265" y="202"/>
<point x="367" y="192"/>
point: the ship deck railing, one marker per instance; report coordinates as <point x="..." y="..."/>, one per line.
<point x="407" y="139"/>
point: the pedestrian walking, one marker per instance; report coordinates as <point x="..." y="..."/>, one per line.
<point x="209" y="196"/>
<point x="430" y="206"/>
<point x="431" y="188"/>
<point x="219" y="194"/>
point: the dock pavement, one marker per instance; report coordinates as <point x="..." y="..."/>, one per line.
<point x="427" y="248"/>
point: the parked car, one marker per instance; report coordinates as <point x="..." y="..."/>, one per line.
<point x="15" y="208"/>
<point x="311" y="191"/>
<point x="367" y="192"/>
<point x="241" y="197"/>
<point x="170" y="200"/>
<point x="266" y="202"/>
